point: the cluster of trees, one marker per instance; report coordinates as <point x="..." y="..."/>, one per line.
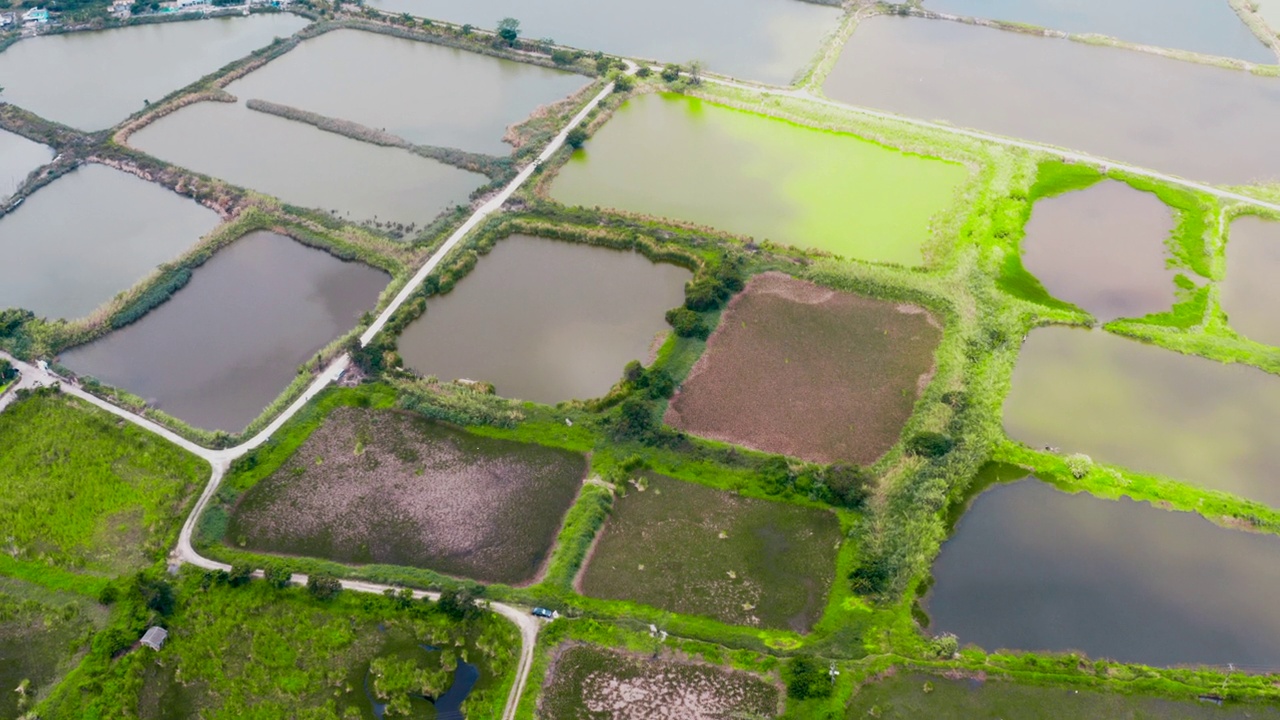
<point x="808" y="677"/>
<point x="7" y="371"/>
<point x="841" y="484"/>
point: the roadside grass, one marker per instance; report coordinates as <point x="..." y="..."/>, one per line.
<point x="85" y="493"/>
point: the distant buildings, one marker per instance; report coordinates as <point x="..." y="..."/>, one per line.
<point x="35" y="16"/>
<point x="7" y="19"/>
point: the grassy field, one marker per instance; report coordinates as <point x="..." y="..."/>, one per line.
<point x="85" y="492"/>
<point x="695" y="550"/>
<point x="41" y="635"/>
<point x="259" y="652"/>
<point x="387" y="487"/>
<point x="588" y="682"/>
<point x="915" y="696"/>
<point x="804" y="371"/>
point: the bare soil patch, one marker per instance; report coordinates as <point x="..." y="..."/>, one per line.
<point x="587" y="682"/>
<point x="696" y="550"/>
<point x="804" y="371"/>
<point x="385" y="486"/>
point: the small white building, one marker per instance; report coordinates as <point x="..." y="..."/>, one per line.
<point x="155" y="637"/>
<point x="7" y="19"/>
<point x="39" y="16"/>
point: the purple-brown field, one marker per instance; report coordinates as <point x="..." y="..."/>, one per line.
<point x="384" y="486"/>
<point x="801" y="370"/>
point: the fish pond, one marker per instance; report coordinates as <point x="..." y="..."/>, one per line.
<point x="1250" y="294"/>
<point x="90" y="234"/>
<point x="1204" y="26"/>
<point x="585" y="681"/>
<point x="546" y="321"/>
<point x="390" y="487"/>
<point x="18" y="157"/>
<point x="224" y="346"/>
<point x="912" y="696"/>
<point x="683" y="158"/>
<point x="306" y="166"/>
<point x="1103" y="250"/>
<point x="1032" y="568"/>
<point x="1125" y="105"/>
<point x="93" y="80"/>
<point x="695" y="550"/>
<point x="1270" y="12"/>
<point x="1148" y="409"/>
<point x="425" y="93"/>
<point x="802" y="370"/>
<point x="764" y="40"/>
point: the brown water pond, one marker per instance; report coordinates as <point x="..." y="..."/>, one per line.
<point x="1250" y="293"/>
<point x="218" y="352"/>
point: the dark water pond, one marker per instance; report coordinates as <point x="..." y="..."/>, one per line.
<point x="546" y="321"/>
<point x="1033" y="568"/>
<point x="1250" y="294"/>
<point x="90" y="234"/>
<point x="428" y="94"/>
<point x="1103" y="249"/>
<point x="93" y="80"/>
<point x="228" y="343"/>
<point x="18" y="157"/>
<point x="1204" y="26"/>
<point x="1202" y="122"/>
<point x="764" y="40"/>
<point x="307" y="166"/>
<point x="1148" y="409"/>
<point x="446" y="707"/>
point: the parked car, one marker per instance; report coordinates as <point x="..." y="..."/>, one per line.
<point x="545" y="613"/>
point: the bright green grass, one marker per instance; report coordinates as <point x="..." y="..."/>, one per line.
<point x="83" y="491"/>
<point x="683" y="158"/>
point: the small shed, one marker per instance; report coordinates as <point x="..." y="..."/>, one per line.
<point x="155" y="637"/>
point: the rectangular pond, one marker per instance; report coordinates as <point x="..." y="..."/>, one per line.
<point x="1148" y="409"/>
<point x="763" y="40"/>
<point x="1204" y="26"/>
<point x="1202" y="122"/>
<point x="546" y="321"/>
<point x="1249" y="292"/>
<point x="425" y="93"/>
<point x="223" y="347"/>
<point x="93" y="80"/>
<point x="90" y="234"/>
<point x="1033" y="568"/>
<point x="683" y="158"/>
<point x="18" y="157"/>
<point x="306" y="166"/>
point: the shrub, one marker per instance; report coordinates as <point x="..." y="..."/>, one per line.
<point x="687" y="323"/>
<point x="807" y="677"/>
<point x="930" y="444"/>
<point x="671" y="72"/>
<point x="239" y="575"/>
<point x="577" y="137"/>
<point x="633" y="421"/>
<point x="323" y="586"/>
<point x="624" y="83"/>
<point x="644" y="71"/>
<point x="278" y="576"/>
<point x="1079" y="465"/>
<point x="850" y="485"/>
<point x="563" y="57"/>
<point x="459" y="605"/>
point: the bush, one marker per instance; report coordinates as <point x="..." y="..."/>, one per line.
<point x="577" y="137"/>
<point x="624" y="83"/>
<point x="850" y="485"/>
<point x="278" y="576"/>
<point x="930" y="445"/>
<point x="807" y="677"/>
<point x="633" y="421"/>
<point x="240" y="575"/>
<point x="644" y="71"/>
<point x="323" y="587"/>
<point x="671" y="72"/>
<point x="563" y="57"/>
<point x="687" y="323"/>
<point x="459" y="605"/>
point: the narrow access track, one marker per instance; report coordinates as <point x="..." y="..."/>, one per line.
<point x="220" y="460"/>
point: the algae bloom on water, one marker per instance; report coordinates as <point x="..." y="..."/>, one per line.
<point x="690" y="160"/>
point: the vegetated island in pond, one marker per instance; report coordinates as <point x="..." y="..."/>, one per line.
<point x="387" y="487"/>
<point x="805" y="371"/>
<point x="695" y="550"/>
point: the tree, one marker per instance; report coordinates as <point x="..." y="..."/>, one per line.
<point x="240" y="575"/>
<point x="7" y="371"/>
<point x="930" y="444"/>
<point x="323" y="587"/>
<point x="562" y="57"/>
<point x="687" y="323"/>
<point x="577" y="137"/>
<point x="807" y="677"/>
<point x="634" y="420"/>
<point x="278" y="576"/>
<point x="157" y="594"/>
<point x="509" y="30"/>
<point x="459" y="605"/>
<point x="623" y="83"/>
<point x="695" y="72"/>
<point x="671" y="72"/>
<point x="849" y="484"/>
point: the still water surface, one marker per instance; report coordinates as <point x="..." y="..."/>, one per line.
<point x="765" y="40"/>
<point x="1148" y="409"/>
<point x="682" y="158"/>
<point x="1033" y="568"/>
<point x="228" y="343"/>
<point x="1103" y="250"/>
<point x="546" y="321"/>
<point x="18" y="157"/>
<point x="307" y="166"/>
<point x="427" y="94"/>
<point x="1204" y="26"/>
<point x="1202" y="122"/>
<point x="93" y="80"/>
<point x="1250" y="294"/>
<point x="76" y="242"/>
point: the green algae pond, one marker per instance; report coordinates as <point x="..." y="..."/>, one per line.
<point x="93" y="80"/>
<point x="1204" y="26"/>
<point x="1250" y="293"/>
<point x="546" y="321"/>
<point x="1032" y="568"/>
<point x="18" y="157"/>
<point x="75" y="243"/>
<point x="1148" y="409"/>
<point x="682" y="158"/>
<point x="425" y="93"/>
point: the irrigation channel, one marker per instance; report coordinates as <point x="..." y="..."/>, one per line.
<point x="220" y="460"/>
